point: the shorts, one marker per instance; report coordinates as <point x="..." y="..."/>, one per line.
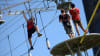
<point x="31" y="31"/>
<point x="68" y="28"/>
<point x="76" y="21"/>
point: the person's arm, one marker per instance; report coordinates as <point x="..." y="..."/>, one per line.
<point x="24" y="16"/>
<point x="32" y="17"/>
<point x="69" y="17"/>
<point x="60" y="18"/>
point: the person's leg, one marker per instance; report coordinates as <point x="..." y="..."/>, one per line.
<point x="70" y="35"/>
<point x="29" y="38"/>
<point x="77" y="29"/>
<point x="30" y="42"/>
<point x="68" y="29"/>
<point x="80" y="24"/>
<point x="36" y="27"/>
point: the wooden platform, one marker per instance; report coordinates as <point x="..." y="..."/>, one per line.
<point x="64" y="5"/>
<point x="2" y="21"/>
<point x="90" y="41"/>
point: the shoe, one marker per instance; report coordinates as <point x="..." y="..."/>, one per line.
<point x="31" y="48"/>
<point x="78" y="34"/>
<point x="85" y="31"/>
<point x="39" y="34"/>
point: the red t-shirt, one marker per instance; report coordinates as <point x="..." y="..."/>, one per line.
<point x="30" y="24"/>
<point x="75" y="13"/>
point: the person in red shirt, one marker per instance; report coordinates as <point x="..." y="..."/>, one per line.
<point x="31" y="28"/>
<point x="65" y="19"/>
<point x="76" y="18"/>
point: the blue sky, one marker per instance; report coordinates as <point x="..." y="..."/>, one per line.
<point x="13" y="27"/>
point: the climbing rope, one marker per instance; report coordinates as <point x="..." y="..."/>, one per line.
<point x="27" y="10"/>
<point x="48" y="3"/>
<point x="94" y="12"/>
<point x="25" y="37"/>
<point x="34" y="42"/>
<point x="47" y="41"/>
<point x="44" y="3"/>
<point x="36" y="19"/>
<point x="9" y="45"/>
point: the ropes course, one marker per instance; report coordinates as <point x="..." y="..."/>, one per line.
<point x="52" y="20"/>
<point x="29" y="10"/>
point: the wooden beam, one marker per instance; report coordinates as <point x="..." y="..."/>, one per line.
<point x="91" y="40"/>
<point x="36" y="10"/>
<point x="15" y="5"/>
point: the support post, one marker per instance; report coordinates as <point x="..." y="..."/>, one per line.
<point x="85" y="52"/>
<point x="69" y="49"/>
<point x="78" y="51"/>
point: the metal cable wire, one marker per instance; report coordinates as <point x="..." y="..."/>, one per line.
<point x="36" y="19"/>
<point x="44" y="3"/>
<point x="42" y="24"/>
<point x="2" y="32"/>
<point x="27" y="10"/>
<point x="9" y="33"/>
<point x="25" y="36"/>
<point x="9" y="45"/>
<point x="48" y="3"/>
<point x="7" y="22"/>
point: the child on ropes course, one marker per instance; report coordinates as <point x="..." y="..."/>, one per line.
<point x="31" y="28"/>
<point x="76" y="18"/>
<point x="65" y="19"/>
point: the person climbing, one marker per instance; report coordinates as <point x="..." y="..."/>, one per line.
<point x="1" y="20"/>
<point x="65" y="19"/>
<point x="31" y="28"/>
<point x="76" y="18"/>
